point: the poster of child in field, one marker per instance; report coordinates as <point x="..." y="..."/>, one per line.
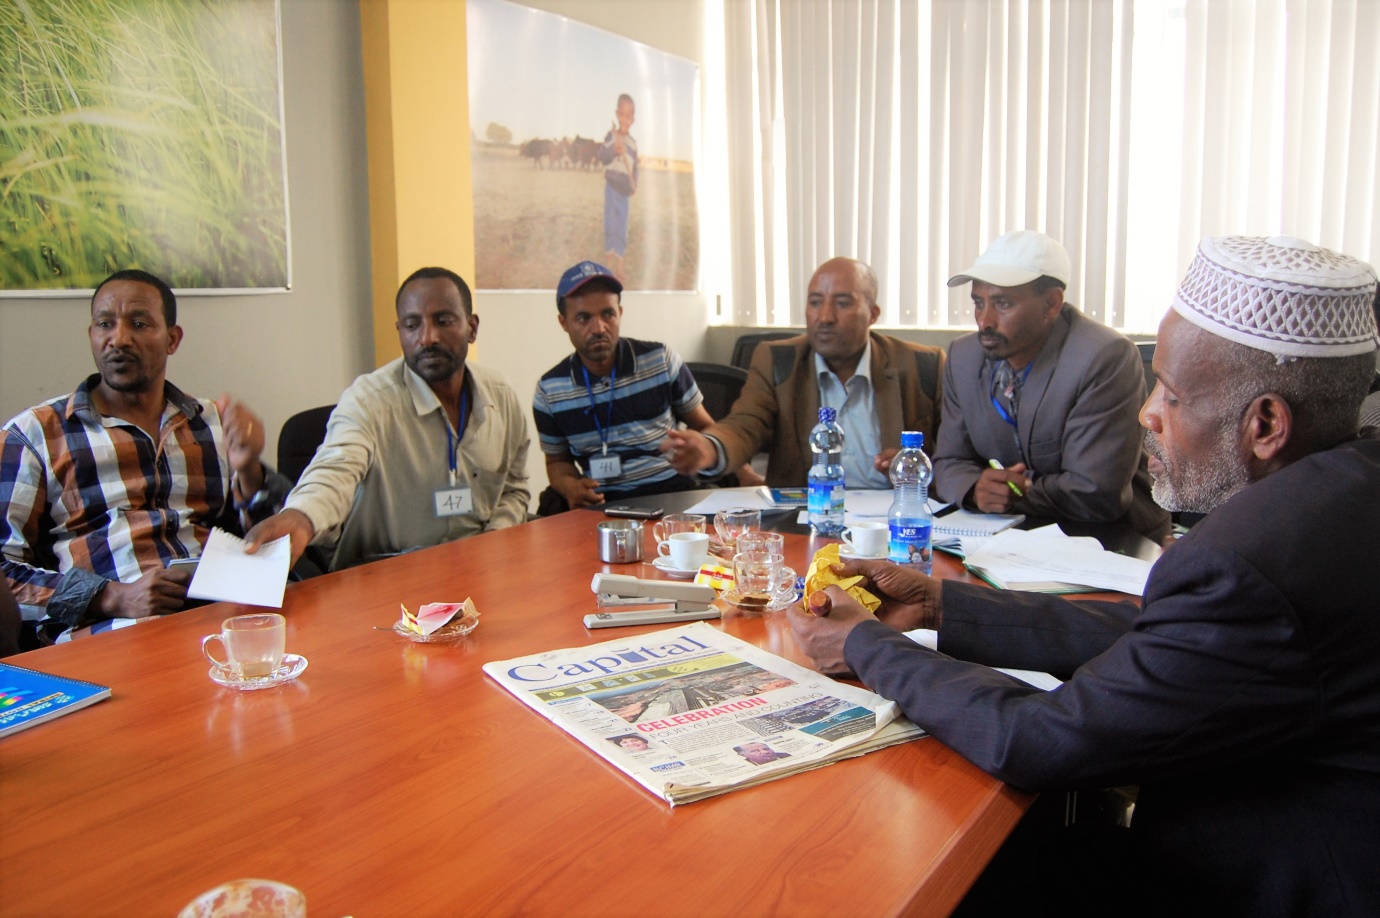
<point x="619" y="155"/>
<point x="560" y="173"/>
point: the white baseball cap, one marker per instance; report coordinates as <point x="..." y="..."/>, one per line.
<point x="1018" y="258"/>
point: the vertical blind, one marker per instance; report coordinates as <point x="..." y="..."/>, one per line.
<point x="909" y="133"/>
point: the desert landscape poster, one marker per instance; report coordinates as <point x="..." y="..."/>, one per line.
<point x="555" y="106"/>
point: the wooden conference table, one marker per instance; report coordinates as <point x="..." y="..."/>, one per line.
<point x="394" y="778"/>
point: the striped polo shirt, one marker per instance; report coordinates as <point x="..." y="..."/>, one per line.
<point x="652" y="390"/>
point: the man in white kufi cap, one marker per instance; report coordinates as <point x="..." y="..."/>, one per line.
<point x="1040" y="402"/>
<point x="1243" y="696"/>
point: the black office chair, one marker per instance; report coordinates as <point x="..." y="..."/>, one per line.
<point x="719" y="384"/>
<point x="746" y="344"/>
<point x="1147" y="355"/>
<point x="301" y="435"/>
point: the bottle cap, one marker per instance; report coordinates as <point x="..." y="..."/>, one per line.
<point x="827" y="415"/>
<point x="912" y="439"/>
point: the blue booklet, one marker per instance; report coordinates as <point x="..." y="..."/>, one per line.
<point x="28" y="697"/>
<point x="786" y="497"/>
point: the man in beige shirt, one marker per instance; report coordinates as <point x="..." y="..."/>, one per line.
<point x="426" y="449"/>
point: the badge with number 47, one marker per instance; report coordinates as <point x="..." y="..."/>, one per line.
<point x="453" y="501"/>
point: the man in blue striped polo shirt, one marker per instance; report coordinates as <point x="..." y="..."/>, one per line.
<point x="602" y="412"/>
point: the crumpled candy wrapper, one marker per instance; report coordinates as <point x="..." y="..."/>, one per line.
<point x="435" y="615"/>
<point x="821" y="575"/>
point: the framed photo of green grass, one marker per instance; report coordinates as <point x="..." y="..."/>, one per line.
<point x="142" y="134"/>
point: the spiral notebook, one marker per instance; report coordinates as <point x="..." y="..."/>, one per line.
<point x="965" y="523"/>
<point x="29" y="697"/>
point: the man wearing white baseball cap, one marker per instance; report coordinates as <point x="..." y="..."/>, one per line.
<point x="1040" y="402"/>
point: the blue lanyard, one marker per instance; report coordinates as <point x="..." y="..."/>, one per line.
<point x="452" y="440"/>
<point x="603" y="430"/>
<point x="1001" y="409"/>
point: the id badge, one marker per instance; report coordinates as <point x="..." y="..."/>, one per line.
<point x="605" y="467"/>
<point x="453" y="501"/>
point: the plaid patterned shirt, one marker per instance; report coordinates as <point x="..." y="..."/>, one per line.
<point x="86" y="498"/>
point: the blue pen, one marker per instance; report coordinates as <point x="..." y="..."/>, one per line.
<point x="1010" y="484"/>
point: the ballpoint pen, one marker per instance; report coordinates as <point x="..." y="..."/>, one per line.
<point x="1010" y="484"/>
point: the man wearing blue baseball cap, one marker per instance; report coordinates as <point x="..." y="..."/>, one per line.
<point x="602" y="412"/>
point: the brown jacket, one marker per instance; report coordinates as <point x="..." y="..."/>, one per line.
<point x="779" y="403"/>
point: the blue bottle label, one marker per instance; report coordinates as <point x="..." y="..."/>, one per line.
<point x="910" y="543"/>
<point x="825" y="497"/>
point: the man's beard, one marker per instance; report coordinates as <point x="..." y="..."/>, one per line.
<point x="443" y="365"/>
<point x="1200" y="486"/>
<point x="130" y="376"/>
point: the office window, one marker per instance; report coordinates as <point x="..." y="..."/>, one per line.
<point x="911" y="132"/>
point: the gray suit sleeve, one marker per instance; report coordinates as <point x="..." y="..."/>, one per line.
<point x="957" y="466"/>
<point x="1100" y="444"/>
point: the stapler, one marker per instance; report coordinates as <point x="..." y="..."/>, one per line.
<point x="648" y="602"/>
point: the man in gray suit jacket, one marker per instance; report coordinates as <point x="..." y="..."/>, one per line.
<point x="1048" y="393"/>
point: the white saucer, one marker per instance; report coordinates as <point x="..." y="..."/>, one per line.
<point x="846" y="554"/>
<point x="667" y="567"/>
<point x="292" y="667"/>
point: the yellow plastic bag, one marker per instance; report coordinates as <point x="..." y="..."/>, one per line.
<point x="821" y="575"/>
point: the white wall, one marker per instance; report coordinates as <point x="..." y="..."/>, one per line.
<point x="282" y="352"/>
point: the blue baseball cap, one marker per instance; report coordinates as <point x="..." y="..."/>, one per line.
<point x="576" y="277"/>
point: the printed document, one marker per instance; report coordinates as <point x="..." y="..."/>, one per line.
<point x="226" y="574"/>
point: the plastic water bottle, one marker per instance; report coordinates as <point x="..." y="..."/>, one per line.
<point x="825" y="506"/>
<point x="909" y="518"/>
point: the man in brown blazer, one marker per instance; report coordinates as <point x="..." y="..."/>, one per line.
<point x="880" y="386"/>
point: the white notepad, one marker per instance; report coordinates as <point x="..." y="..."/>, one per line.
<point x="968" y="523"/>
<point x="226" y="574"/>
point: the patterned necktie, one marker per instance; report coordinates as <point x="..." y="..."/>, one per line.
<point x="1006" y="389"/>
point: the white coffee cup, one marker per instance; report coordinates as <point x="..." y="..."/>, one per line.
<point x="687" y="550"/>
<point x="254" y="644"/>
<point x="866" y="539"/>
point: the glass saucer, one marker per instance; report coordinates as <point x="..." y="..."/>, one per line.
<point x="452" y="630"/>
<point x="781" y="601"/>
<point x="291" y="668"/>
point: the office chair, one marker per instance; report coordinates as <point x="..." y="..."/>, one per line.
<point x="1147" y="354"/>
<point x="746" y="344"/>
<point x="720" y="386"/>
<point x="301" y="435"/>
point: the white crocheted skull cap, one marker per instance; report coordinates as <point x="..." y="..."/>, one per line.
<point x="1281" y="295"/>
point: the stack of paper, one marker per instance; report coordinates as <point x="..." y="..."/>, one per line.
<point x="1048" y="561"/>
<point x="227" y="574"/>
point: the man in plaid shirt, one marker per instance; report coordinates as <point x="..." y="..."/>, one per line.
<point x="101" y="489"/>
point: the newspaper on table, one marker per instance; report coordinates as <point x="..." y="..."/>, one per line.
<point x="690" y="712"/>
